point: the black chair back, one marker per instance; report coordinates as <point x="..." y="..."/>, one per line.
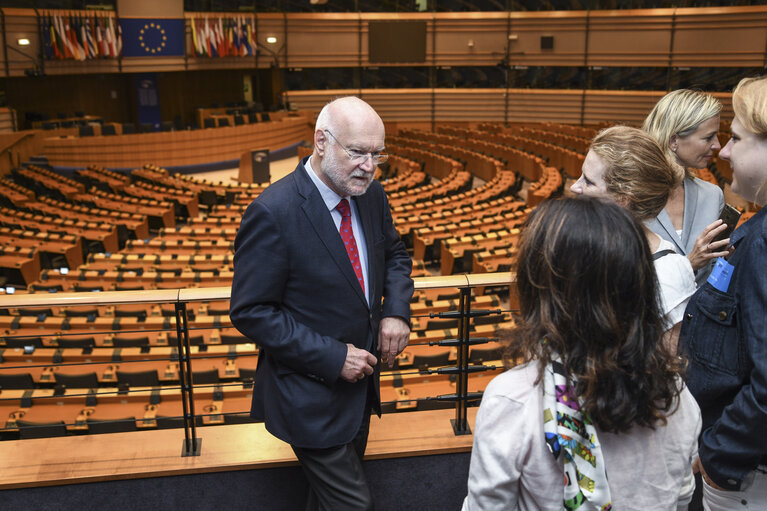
<point x="77" y="381"/>
<point x="96" y="427"/>
<point x="138" y="378"/>
<point x="31" y="429"/>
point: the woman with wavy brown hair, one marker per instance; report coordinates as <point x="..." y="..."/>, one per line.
<point x="628" y="166"/>
<point x="596" y="399"/>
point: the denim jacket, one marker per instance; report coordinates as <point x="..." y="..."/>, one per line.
<point x="724" y="336"/>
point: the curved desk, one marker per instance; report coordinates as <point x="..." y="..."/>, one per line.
<point x="177" y="148"/>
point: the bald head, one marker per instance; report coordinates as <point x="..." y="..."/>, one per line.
<point x="348" y="114"/>
<point x="343" y="125"/>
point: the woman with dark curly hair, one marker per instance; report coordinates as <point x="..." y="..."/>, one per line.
<point x="596" y="400"/>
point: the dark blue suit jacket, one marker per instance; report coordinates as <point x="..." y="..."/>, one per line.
<point x="296" y="295"/>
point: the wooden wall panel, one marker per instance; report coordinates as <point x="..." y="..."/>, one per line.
<point x="721" y="37"/>
<point x="333" y="41"/>
<point x="619" y="106"/>
<point x="567" y="28"/>
<point x="641" y="38"/>
<point x="405" y="106"/>
<point x="469" y="105"/>
<point x="470" y="39"/>
<point x="108" y="96"/>
<point x="715" y="36"/>
<point x="539" y="105"/>
<point x="415" y="108"/>
<point x="181" y="93"/>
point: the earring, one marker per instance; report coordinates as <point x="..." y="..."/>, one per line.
<point x="673" y="149"/>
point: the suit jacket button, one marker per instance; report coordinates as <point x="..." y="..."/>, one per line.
<point x="722" y="315"/>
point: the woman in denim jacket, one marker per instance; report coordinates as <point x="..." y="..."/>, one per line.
<point x="724" y="330"/>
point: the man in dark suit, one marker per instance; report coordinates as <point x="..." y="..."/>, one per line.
<point x="321" y="282"/>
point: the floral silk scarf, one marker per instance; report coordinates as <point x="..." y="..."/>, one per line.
<point x="572" y="439"/>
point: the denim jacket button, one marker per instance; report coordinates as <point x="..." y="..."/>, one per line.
<point x="722" y="315"/>
<point x="688" y="316"/>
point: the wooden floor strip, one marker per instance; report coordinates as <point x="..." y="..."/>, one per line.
<point x="90" y="458"/>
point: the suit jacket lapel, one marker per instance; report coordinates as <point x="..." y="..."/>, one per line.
<point x="690" y="207"/>
<point x="665" y="221"/>
<point x="319" y="217"/>
<point x="363" y="208"/>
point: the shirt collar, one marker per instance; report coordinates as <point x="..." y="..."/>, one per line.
<point x="330" y="197"/>
<point x="744" y="229"/>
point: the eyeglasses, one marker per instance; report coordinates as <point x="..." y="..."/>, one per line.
<point x="358" y="157"/>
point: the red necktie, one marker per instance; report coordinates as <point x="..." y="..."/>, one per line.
<point x="348" y="236"/>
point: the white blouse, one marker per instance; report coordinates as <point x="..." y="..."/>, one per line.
<point x="677" y="283"/>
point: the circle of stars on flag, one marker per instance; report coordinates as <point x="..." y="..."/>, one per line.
<point x="152" y="38"/>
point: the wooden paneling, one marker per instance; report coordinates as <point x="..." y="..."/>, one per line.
<point x="721" y="37"/>
<point x="524" y="105"/>
<point x="339" y="35"/>
<point x="716" y="36"/>
<point x="468" y="105"/>
<point x="108" y="96"/>
<point x="568" y="29"/>
<point x="112" y="96"/>
<point x="169" y="149"/>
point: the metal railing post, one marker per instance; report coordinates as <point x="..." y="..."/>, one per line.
<point x="461" y="423"/>
<point x="192" y="444"/>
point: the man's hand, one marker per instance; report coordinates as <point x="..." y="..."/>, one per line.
<point x="358" y="364"/>
<point x="697" y="466"/>
<point x="393" y="335"/>
<point x="706" y="249"/>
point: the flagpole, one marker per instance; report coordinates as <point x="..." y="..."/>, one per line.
<point x="119" y="55"/>
<point x="5" y="41"/>
<point x="41" y="39"/>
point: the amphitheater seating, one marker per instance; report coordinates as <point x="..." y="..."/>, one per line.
<point x="550" y="185"/>
<point x="97" y="234"/>
<point x="455" y="198"/>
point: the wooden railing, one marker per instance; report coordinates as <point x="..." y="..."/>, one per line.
<point x="177" y="148"/>
<point x="47" y="300"/>
<point x="457" y="340"/>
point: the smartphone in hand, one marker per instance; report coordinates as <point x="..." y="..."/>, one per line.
<point x="730" y="216"/>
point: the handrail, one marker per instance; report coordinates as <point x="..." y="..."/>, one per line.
<point x="216" y="293"/>
<point x="19" y="137"/>
<point x="181" y="297"/>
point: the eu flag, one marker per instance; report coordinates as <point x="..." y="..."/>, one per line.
<point x="144" y="37"/>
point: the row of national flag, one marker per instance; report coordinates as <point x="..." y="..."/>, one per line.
<point x="223" y="36"/>
<point x="80" y="37"/>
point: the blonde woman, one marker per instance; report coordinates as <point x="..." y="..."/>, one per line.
<point x="685" y="123"/>
<point x="724" y="333"/>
